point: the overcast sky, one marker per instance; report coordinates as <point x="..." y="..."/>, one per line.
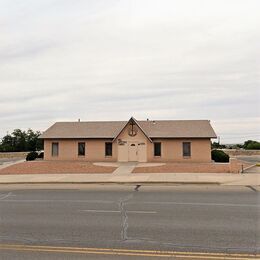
<point x="61" y="60"/>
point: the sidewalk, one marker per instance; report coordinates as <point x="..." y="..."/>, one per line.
<point x="252" y="179"/>
<point x="123" y="175"/>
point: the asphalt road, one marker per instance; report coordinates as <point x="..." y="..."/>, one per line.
<point x="118" y="222"/>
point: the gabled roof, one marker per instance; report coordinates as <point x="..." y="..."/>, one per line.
<point x="111" y="129"/>
<point x="132" y="119"/>
<point x="100" y="129"/>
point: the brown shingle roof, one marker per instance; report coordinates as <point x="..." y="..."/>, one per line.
<point x="110" y="129"/>
<point x="178" y="128"/>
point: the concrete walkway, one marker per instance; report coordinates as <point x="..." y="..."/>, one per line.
<point x="136" y="164"/>
<point x="125" y="169"/>
<point x="252" y="179"/>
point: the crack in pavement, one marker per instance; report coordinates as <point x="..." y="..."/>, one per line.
<point x="124" y="216"/>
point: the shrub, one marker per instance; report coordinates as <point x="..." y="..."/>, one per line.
<point x="31" y="156"/>
<point x="41" y="155"/>
<point x="219" y="156"/>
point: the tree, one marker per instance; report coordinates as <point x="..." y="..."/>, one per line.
<point x="21" y="141"/>
<point x="33" y="141"/>
<point x="251" y="145"/>
<point x="7" y="144"/>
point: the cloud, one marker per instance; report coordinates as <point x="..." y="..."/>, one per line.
<point x="99" y="60"/>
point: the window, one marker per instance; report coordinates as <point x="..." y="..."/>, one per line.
<point x="55" y="149"/>
<point x="186" y="148"/>
<point x="108" y="149"/>
<point x="157" y="149"/>
<point x="81" y="149"/>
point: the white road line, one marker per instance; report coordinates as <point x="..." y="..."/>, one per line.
<point x="61" y="200"/>
<point x="141" y="212"/>
<point x="197" y="204"/>
<point x="117" y="211"/>
<point x="100" y="211"/>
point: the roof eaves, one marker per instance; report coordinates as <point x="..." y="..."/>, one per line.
<point x="179" y="137"/>
<point x="77" y="137"/>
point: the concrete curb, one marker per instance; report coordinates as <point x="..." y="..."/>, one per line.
<point x="123" y="183"/>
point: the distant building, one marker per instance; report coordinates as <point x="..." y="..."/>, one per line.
<point x="130" y="141"/>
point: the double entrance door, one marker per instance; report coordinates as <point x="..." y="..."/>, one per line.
<point x="132" y="151"/>
<point x="137" y="152"/>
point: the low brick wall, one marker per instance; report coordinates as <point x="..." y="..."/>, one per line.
<point x="237" y="152"/>
<point x="13" y="155"/>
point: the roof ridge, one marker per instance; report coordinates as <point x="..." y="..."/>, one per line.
<point x="169" y="120"/>
<point x="123" y="121"/>
<point x="91" y="121"/>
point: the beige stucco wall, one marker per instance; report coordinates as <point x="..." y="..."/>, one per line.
<point x="171" y="150"/>
<point x="68" y="150"/>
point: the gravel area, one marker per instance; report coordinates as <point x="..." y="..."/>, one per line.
<point x="48" y="167"/>
<point x="192" y="168"/>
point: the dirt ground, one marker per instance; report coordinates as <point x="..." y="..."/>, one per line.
<point x="48" y="167"/>
<point x="194" y="168"/>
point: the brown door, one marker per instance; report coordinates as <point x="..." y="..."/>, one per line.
<point x="132" y="152"/>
